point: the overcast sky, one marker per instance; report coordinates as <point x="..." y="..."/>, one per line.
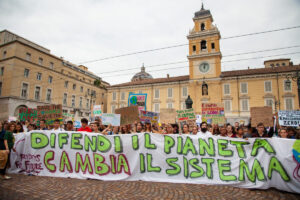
<point x="84" y="30"/>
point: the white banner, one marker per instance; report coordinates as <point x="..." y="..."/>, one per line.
<point x="289" y="118"/>
<point x="254" y="163"/>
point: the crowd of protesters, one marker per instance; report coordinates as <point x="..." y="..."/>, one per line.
<point x="8" y="129"/>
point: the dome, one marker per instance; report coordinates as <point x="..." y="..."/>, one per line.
<point x="202" y="12"/>
<point x="142" y="75"/>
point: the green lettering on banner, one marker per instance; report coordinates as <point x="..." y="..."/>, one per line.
<point x="135" y="142"/>
<point x="261" y="143"/>
<point x="86" y="165"/>
<point x="103" y="144"/>
<point x="65" y="162"/>
<point x="142" y="163"/>
<point x="276" y="165"/>
<point x="240" y="147"/>
<point x="189" y="146"/>
<point x="52" y="140"/>
<point x="179" y="145"/>
<point x="185" y="167"/>
<point x="256" y="171"/>
<point x="151" y="168"/>
<point x="101" y="168"/>
<point x="148" y="144"/>
<point x="175" y="167"/>
<point x="62" y="139"/>
<point x="39" y="140"/>
<point x="123" y="164"/>
<point x="49" y="155"/>
<point x="224" y="166"/>
<point x="222" y="145"/>
<point x="169" y="142"/>
<point x="204" y="147"/>
<point x="199" y="170"/>
<point x="208" y="162"/>
<point x="75" y="141"/>
<point x="90" y="144"/>
<point x="113" y="164"/>
<point x="118" y="144"/>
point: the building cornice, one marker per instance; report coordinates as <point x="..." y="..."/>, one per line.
<point x="205" y="54"/>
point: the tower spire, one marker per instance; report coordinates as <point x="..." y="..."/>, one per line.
<point x="202" y="6"/>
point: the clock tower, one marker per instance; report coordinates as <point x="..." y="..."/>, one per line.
<point x="204" y="48"/>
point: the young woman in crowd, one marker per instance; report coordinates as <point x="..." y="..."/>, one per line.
<point x="216" y="130"/>
<point x="240" y="132"/>
<point x="186" y="129"/>
<point x="195" y="130"/>
<point x="8" y="143"/>
<point x="169" y="129"/>
<point x="230" y="131"/>
<point x="138" y="127"/>
<point x="223" y="131"/>
<point x="124" y="130"/>
<point x="148" y="127"/>
<point x="19" y="128"/>
<point x="283" y="133"/>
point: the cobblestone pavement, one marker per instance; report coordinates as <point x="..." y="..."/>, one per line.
<point x="37" y="187"/>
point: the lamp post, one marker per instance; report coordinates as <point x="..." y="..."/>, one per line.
<point x="294" y="77"/>
<point x="189" y="102"/>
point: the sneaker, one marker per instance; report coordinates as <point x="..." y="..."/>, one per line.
<point x="6" y="177"/>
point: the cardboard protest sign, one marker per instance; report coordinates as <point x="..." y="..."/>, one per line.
<point x="97" y="111"/>
<point x="149" y="117"/>
<point x="29" y="114"/>
<point x="196" y="159"/>
<point x="139" y="100"/>
<point x="50" y="113"/>
<point x="261" y="114"/>
<point x="167" y="115"/>
<point x="213" y="113"/>
<point x="187" y="114"/>
<point x="68" y="115"/>
<point x="289" y="118"/>
<point x="128" y="114"/>
<point x="113" y="119"/>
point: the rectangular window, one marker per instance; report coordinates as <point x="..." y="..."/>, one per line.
<point x="39" y="76"/>
<point x="289" y="104"/>
<point x="268" y="86"/>
<point x="113" y="108"/>
<point x="88" y="91"/>
<point x="80" y="102"/>
<point x="227" y="105"/>
<point x="212" y="45"/>
<point x="28" y="56"/>
<point x="170" y="92"/>
<point x="51" y="65"/>
<point x="73" y="100"/>
<point x="156" y="107"/>
<point x="170" y="105"/>
<point x="114" y="96"/>
<point x="226" y="89"/>
<point x="87" y="103"/>
<point x="65" y="99"/>
<point x="194" y="48"/>
<point x="24" y="92"/>
<point x="48" y="96"/>
<point x="156" y="93"/>
<point x="183" y="106"/>
<point x="50" y="79"/>
<point x="287" y="85"/>
<point x="26" y="73"/>
<point x="269" y="102"/>
<point x="184" y="92"/>
<point x="122" y="95"/>
<point x="40" y="61"/>
<point x="245" y="104"/>
<point x="0" y="88"/>
<point x="66" y="84"/>
<point x="2" y="71"/>
<point x="74" y="86"/>
<point x="81" y="89"/>
<point x="37" y="93"/>
<point x="244" y="88"/>
<point x="4" y="54"/>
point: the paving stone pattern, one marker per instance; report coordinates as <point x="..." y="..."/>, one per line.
<point x="37" y="187"/>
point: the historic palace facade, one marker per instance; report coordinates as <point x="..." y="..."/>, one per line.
<point x="237" y="90"/>
<point x="30" y="76"/>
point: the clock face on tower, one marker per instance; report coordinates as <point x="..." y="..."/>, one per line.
<point x="204" y="67"/>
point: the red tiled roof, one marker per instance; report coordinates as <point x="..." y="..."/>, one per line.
<point x="155" y="80"/>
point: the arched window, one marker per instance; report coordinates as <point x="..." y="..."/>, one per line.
<point x="202" y="26"/>
<point x="203" y="45"/>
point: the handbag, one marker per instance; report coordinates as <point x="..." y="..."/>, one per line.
<point x="3" y="158"/>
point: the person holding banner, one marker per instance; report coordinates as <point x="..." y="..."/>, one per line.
<point x="138" y="127"/>
<point x="230" y="131"/>
<point x="203" y="129"/>
<point x="125" y="130"/>
<point x="19" y="128"/>
<point x="185" y="129"/>
<point x="70" y="126"/>
<point x="148" y="127"/>
<point x="283" y="133"/>
<point x="56" y="126"/>
<point x="84" y="125"/>
<point x="43" y="125"/>
<point x="95" y="127"/>
<point x="261" y="132"/>
<point x="195" y="130"/>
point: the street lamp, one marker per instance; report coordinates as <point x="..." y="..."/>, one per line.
<point x="189" y="102"/>
<point x="294" y="77"/>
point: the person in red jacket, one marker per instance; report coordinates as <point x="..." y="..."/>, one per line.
<point x="84" y="126"/>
